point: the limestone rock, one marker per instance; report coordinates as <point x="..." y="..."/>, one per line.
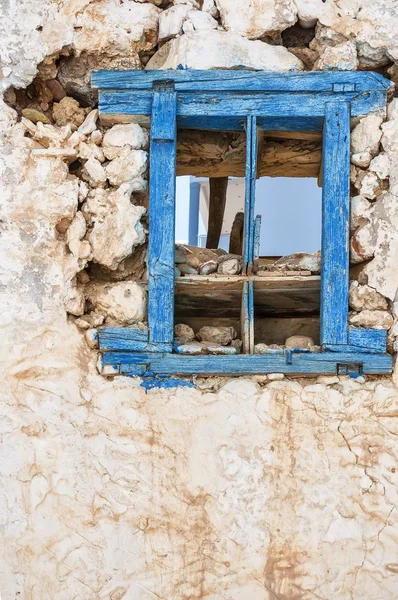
<point x="213" y="348"/>
<point x="209" y="6"/>
<point x="94" y="172"/>
<point x="362" y="159"/>
<point x="253" y="19"/>
<point x="56" y="89"/>
<point x="237" y="344"/>
<point x="91" y="336"/>
<point x="222" y="50"/>
<point x="262" y="348"/>
<point x="68" y="111"/>
<point x="123" y="302"/>
<point x="36" y="116"/>
<point x="217" y="335"/>
<point x="87" y="151"/>
<point x="90" y="123"/>
<point x="363" y="244"/>
<point x="369" y="186"/>
<point x="372" y="319"/>
<point x="171" y="21"/>
<point x="342" y="57"/>
<point x="200" y="21"/>
<point x="361" y="212"/>
<point x="184" y="333"/>
<point x="208" y="267"/>
<point x="231" y="266"/>
<point x="366" y="136"/>
<point x="75" y="233"/>
<point x="191" y="348"/>
<point x="380" y="165"/>
<point x="194" y="256"/>
<point x="120" y="136"/>
<point x="187" y="269"/>
<point x="129" y="166"/>
<point x="299" y="341"/>
<point x="116" y="226"/>
<point x="300" y="261"/>
<point x="365" y="297"/>
<point x="74" y="301"/>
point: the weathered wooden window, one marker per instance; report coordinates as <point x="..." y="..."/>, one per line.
<point x="251" y="102"/>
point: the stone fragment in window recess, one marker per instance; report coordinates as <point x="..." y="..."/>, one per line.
<point x="68" y="110"/>
<point x="208" y="267"/>
<point x="93" y="319"/>
<point x="218" y="349"/>
<point x="184" y="333"/>
<point x="365" y="297"/>
<point x="300" y="261"/>
<point x="261" y="348"/>
<point x="217" y="335"/>
<point x="299" y="341"/>
<point x="190" y="348"/>
<point x="123" y="302"/>
<point x="237" y="344"/>
<point x="187" y="269"/>
<point x="372" y="319"/>
<point x="194" y="256"/>
<point x="82" y="324"/>
<point x="229" y="264"/>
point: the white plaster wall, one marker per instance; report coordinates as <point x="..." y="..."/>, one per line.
<point x="244" y="489"/>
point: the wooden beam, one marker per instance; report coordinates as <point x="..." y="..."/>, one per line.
<point x="222" y="154"/>
<point x="217" y="202"/>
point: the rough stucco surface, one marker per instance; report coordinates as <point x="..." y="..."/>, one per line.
<point x="283" y="490"/>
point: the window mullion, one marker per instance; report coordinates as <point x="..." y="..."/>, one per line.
<point x="335" y="223"/>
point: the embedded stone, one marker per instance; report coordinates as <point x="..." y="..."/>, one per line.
<point x="193" y="255"/>
<point x="362" y="159"/>
<point x="199" y="20"/>
<point x="74" y="301"/>
<point x="254" y="19"/>
<point x="56" y="89"/>
<point x="68" y="110"/>
<point x="89" y="124"/>
<point x="123" y="302"/>
<point x="380" y="165"/>
<point x="361" y="212"/>
<point x="369" y="186"/>
<point x="128" y="166"/>
<point x="372" y="319"/>
<point x="171" y="21"/>
<point x="184" y="333"/>
<point x="116" y="225"/>
<point x="262" y="348"/>
<point x="364" y="297"/>
<point x="91" y="336"/>
<point x="222" y="50"/>
<point x="299" y="341"/>
<point x="213" y="348"/>
<point x="36" y="116"/>
<point x="365" y="137"/>
<point x="76" y="232"/>
<point x="363" y="244"/>
<point x="217" y="335"/>
<point x="119" y="137"/>
<point x="342" y="57"/>
<point x="87" y="151"/>
<point x="94" y="172"/>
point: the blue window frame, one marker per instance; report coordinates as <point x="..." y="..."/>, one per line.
<point x="250" y="100"/>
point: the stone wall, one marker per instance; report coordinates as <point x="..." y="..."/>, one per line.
<point x="262" y="488"/>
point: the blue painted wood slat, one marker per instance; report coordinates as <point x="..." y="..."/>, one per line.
<point x="240" y="80"/>
<point x="250" y="194"/>
<point x="323" y="362"/>
<point x="162" y="215"/>
<point x="335" y="223"/>
<point x="137" y="334"/>
<point x="219" y="104"/>
<point x="368" y="338"/>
